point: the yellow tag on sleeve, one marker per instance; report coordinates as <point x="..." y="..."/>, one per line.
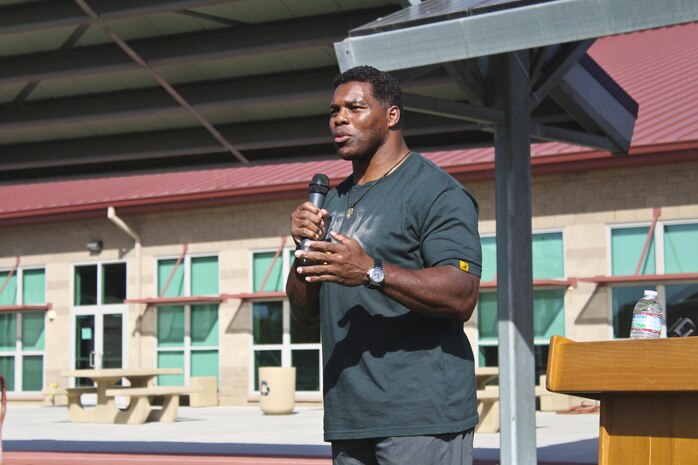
<point x="464" y="266"/>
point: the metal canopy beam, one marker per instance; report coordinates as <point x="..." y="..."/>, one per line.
<point x="469" y="79"/>
<point x="203" y="95"/>
<point x="171" y="91"/>
<point x="212" y="18"/>
<point x="555" y="134"/>
<point x="449" y="109"/>
<point x="66" y="45"/>
<point x="595" y="107"/>
<point x="298" y="132"/>
<point x="514" y="260"/>
<point x="152" y="101"/>
<point x="481" y="35"/>
<point x="243" y="41"/>
<point x="565" y="60"/>
<point x="41" y="15"/>
<point x="405" y="76"/>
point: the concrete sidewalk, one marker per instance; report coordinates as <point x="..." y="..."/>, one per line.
<point x="246" y="431"/>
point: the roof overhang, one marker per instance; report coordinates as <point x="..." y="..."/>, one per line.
<point x="481" y="35"/>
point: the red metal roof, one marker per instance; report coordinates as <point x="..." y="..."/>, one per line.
<point x="656" y="67"/>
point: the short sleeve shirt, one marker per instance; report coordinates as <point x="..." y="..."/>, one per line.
<point x="390" y="371"/>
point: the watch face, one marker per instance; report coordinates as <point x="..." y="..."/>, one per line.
<point x="376" y="275"/>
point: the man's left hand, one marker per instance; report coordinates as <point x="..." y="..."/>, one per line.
<point x="343" y="262"/>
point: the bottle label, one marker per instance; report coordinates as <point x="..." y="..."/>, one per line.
<point x="647" y="323"/>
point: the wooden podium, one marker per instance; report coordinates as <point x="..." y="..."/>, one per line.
<point x="648" y="391"/>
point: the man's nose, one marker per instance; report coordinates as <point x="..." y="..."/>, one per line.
<point x="341" y="117"/>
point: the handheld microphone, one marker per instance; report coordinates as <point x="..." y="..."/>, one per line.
<point x="318" y="188"/>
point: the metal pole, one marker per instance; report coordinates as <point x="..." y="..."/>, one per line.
<point x="514" y="267"/>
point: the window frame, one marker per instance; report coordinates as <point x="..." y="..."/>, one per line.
<point x="186" y="264"/>
<point x="536" y="341"/>
<point x="187" y="348"/>
<point x="19" y="352"/>
<point x="100" y="285"/>
<point x="286" y="346"/>
<point x="659" y="259"/>
<point x="564" y="249"/>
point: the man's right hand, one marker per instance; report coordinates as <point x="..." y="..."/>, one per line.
<point x="308" y="221"/>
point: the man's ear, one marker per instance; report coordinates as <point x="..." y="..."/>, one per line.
<point x="394" y="117"/>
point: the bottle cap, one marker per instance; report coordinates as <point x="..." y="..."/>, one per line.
<point x="649" y="293"/>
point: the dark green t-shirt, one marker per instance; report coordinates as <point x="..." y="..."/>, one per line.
<point x="389" y="371"/>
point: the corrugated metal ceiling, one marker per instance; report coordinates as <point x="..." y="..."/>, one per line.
<point x="63" y="79"/>
<point x="260" y="71"/>
<point x="646" y="63"/>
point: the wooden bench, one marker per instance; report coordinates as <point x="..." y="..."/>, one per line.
<point x="140" y="410"/>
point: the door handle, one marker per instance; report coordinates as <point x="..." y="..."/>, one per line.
<point x="92" y="359"/>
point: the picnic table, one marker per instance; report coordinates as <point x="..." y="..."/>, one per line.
<point x="487" y="400"/>
<point x="484" y="375"/>
<point x="138" y="390"/>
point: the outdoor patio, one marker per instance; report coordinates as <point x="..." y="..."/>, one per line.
<point x="240" y="435"/>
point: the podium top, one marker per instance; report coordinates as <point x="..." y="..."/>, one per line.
<point x="644" y="365"/>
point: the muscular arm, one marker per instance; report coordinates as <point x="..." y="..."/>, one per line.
<point x="304" y="297"/>
<point x="442" y="291"/>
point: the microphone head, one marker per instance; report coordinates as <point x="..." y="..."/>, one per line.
<point x="320" y="184"/>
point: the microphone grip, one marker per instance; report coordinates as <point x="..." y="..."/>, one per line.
<point x="317" y="199"/>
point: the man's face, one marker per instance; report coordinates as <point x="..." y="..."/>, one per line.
<point x="358" y="122"/>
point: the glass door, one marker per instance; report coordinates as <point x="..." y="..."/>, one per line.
<point x="98" y="342"/>
<point x="84" y="346"/>
<point x="112" y="341"/>
<point x="99" y="291"/>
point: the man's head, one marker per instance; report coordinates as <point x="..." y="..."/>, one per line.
<point x="365" y="113"/>
<point x="385" y="88"/>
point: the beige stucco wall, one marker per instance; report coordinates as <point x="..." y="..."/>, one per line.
<point x="582" y="205"/>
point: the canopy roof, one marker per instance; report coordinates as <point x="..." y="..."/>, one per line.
<point x="451" y="30"/>
<point x="256" y="72"/>
<point x="647" y="64"/>
<point x="252" y="78"/>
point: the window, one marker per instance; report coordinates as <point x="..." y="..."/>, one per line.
<point x="187" y="335"/>
<point x="548" y="304"/>
<point x="671" y="250"/>
<point x="681" y="302"/>
<point x="100" y="284"/>
<point x="22" y="333"/>
<point x="277" y="340"/>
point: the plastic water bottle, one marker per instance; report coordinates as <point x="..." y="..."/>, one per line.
<point x="647" y="318"/>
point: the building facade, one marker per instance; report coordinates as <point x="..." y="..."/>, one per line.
<point x="204" y="290"/>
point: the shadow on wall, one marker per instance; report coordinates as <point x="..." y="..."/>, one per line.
<point x="595" y="310"/>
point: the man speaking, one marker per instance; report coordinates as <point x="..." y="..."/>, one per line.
<point x="392" y="270"/>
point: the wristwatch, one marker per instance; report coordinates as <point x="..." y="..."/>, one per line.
<point x="376" y="275"/>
